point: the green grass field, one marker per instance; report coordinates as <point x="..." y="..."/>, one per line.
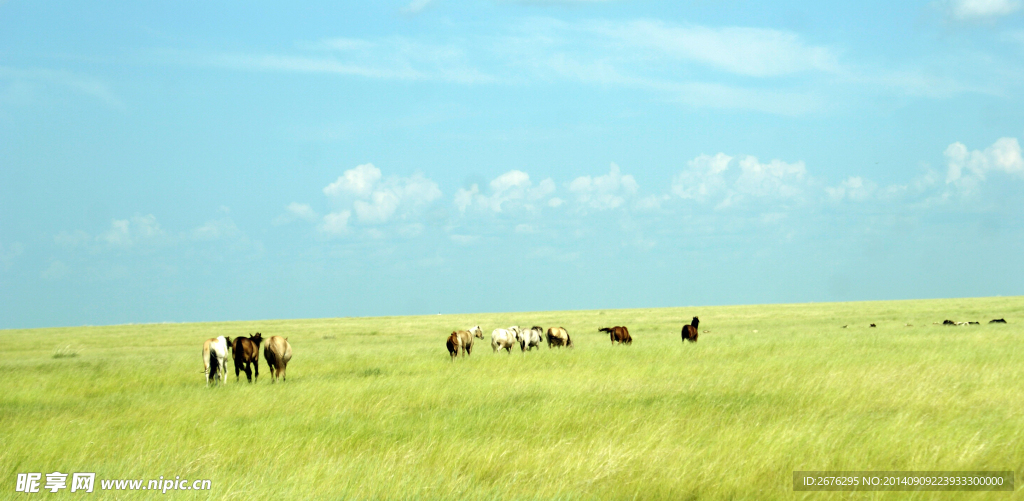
<point x="374" y="409"/>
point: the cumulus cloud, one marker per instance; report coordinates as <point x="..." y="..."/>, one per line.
<point x="604" y="192"/>
<point x="703" y="178"/>
<point x="295" y="211"/>
<point x="511" y="190"/>
<point x="128" y="232"/>
<point x="773" y="179"/>
<point x="215" y="230"/>
<point x="335" y="223"/>
<point x="971" y="10"/>
<point x="708" y="178"/>
<point x="854" y="188"/>
<point x="373" y="199"/>
<point x="966" y="169"/>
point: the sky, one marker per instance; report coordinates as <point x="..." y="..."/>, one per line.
<point x="202" y="161"/>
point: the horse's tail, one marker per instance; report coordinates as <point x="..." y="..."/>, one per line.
<point x="214" y="366"/>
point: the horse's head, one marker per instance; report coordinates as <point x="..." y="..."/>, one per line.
<point x="258" y="338"/>
<point x="477" y="331"/>
<point x="695" y="321"/>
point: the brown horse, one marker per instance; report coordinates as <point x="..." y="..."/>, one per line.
<point x="690" y="331"/>
<point x="618" y="334"/>
<point x="247" y="351"/>
<point x="465" y="339"/>
<point x="277" y="353"/>
<point x="453" y="345"/>
<point x="558" y="336"/>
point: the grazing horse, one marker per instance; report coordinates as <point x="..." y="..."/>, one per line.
<point x="247" y="351"/>
<point x="277" y="353"/>
<point x="531" y="338"/>
<point x="690" y="331"/>
<point x="618" y="334"/>
<point x="558" y="336"/>
<point x="453" y="345"/>
<point x="215" y="351"/>
<point x="997" y="321"/>
<point x="504" y="338"/>
<point x="465" y="339"/>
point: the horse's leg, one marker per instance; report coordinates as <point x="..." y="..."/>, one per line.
<point x="256" y="362"/>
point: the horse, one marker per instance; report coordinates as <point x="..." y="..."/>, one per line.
<point x="277" y="353"/>
<point x="453" y="345"/>
<point x="215" y="351"/>
<point x="618" y="334"/>
<point x="504" y="338"/>
<point x="465" y="339"/>
<point x="690" y="331"/>
<point x="558" y="336"/>
<point x="531" y="338"/>
<point x="246" y="352"/>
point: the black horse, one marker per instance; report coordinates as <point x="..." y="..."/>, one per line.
<point x="690" y="331"/>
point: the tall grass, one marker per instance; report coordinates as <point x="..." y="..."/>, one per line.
<point x="374" y="409"/>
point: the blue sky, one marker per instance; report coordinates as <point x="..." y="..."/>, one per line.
<point x="197" y="161"/>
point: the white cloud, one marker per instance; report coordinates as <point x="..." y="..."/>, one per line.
<point x="215" y="230"/>
<point x="708" y="178"/>
<point x="854" y="188"/>
<point x="772" y="179"/>
<point x="970" y="10"/>
<point x="966" y="169"/>
<point x="757" y="52"/>
<point x="511" y="190"/>
<point x="295" y="211"/>
<point x="604" y="192"/>
<point x="703" y="178"/>
<point x="416" y="6"/>
<point x="335" y="223"/>
<point x="376" y="200"/>
<point x="128" y="232"/>
<point x="358" y="181"/>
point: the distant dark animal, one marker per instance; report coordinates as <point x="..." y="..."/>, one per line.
<point x="246" y="353"/>
<point x="618" y="334"/>
<point x="973" y="323"/>
<point x="466" y="339"/>
<point x="215" y="352"/>
<point x="872" y="325"/>
<point x="277" y="353"/>
<point x="453" y="345"/>
<point x="997" y="321"/>
<point x="690" y="331"/>
<point x="558" y="336"/>
<point x="844" y="326"/>
<point x="531" y="338"/>
<point x="948" y="322"/>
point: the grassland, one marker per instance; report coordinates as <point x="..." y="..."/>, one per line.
<point x="374" y="409"/>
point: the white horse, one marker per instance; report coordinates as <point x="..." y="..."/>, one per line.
<point x="466" y="339"/>
<point x="215" y="352"/>
<point x="504" y="338"/>
<point x="528" y="339"/>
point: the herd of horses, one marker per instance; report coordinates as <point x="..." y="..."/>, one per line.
<point x="528" y="339"/>
<point x="246" y="354"/>
<point x="277" y="352"/>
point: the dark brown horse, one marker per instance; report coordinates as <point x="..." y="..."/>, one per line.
<point x="618" y="334"/>
<point x="246" y="351"/>
<point x="690" y="331"/>
<point x="453" y="345"/>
